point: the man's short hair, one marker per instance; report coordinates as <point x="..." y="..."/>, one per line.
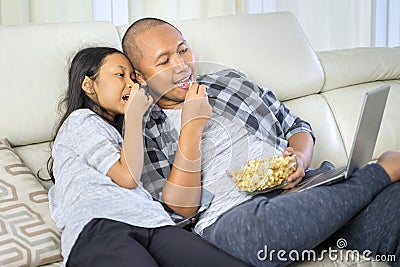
<point x="129" y="44"/>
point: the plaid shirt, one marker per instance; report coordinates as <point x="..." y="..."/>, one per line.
<point x="232" y="94"/>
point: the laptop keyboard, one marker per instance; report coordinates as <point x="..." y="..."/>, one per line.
<point x="324" y="176"/>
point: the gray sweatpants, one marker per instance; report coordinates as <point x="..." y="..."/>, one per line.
<point x="362" y="212"/>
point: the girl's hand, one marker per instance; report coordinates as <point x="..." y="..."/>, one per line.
<point x="297" y="176"/>
<point x="138" y="102"/>
<point x="196" y="108"/>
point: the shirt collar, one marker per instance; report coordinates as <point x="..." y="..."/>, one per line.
<point x="157" y="114"/>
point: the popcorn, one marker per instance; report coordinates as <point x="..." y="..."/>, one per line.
<point x="258" y="175"/>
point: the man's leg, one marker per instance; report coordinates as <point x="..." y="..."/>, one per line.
<point x="294" y="222"/>
<point x="174" y="247"/>
<point x="376" y="228"/>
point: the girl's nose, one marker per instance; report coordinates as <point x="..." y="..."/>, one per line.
<point x="130" y="85"/>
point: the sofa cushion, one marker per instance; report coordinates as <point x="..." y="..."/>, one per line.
<point x="345" y="103"/>
<point x="271" y="48"/>
<point x="282" y="60"/>
<point x="328" y="145"/>
<point x="35" y="157"/>
<point x="346" y="67"/>
<point x="44" y="52"/>
<point x="28" y="236"/>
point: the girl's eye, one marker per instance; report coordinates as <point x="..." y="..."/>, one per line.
<point x="120" y="74"/>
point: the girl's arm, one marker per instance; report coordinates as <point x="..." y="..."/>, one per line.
<point x="132" y="151"/>
<point x="126" y="172"/>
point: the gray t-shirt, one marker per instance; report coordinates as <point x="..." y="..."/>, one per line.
<point x="84" y="150"/>
<point x="226" y="145"/>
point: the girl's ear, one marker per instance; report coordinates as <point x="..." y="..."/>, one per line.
<point x="140" y="78"/>
<point x="87" y="85"/>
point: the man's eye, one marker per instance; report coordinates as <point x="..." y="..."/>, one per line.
<point x="183" y="51"/>
<point x="164" y="62"/>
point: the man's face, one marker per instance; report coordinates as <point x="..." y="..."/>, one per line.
<point x="166" y="64"/>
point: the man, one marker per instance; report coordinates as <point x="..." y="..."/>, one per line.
<point x="248" y="122"/>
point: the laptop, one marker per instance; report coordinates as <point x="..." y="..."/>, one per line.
<point x="363" y="144"/>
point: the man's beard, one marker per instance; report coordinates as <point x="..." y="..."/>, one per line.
<point x="167" y="100"/>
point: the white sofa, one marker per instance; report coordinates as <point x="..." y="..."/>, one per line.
<point x="326" y="88"/>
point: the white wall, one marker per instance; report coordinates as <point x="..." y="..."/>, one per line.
<point x="14" y="11"/>
<point x="328" y="24"/>
<point x="335" y="24"/>
<point x="179" y="9"/>
<point x="45" y="11"/>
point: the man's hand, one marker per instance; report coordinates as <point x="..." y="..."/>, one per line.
<point x="299" y="173"/>
<point x="196" y="109"/>
<point x="300" y="144"/>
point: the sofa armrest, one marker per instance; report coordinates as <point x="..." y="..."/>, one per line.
<point x="353" y="66"/>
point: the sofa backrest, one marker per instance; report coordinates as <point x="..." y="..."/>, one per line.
<point x="349" y="73"/>
<point x="325" y="88"/>
<point x="270" y="48"/>
<point x="282" y="60"/>
<point x="33" y="74"/>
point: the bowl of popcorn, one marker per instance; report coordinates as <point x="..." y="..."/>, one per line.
<point x="263" y="175"/>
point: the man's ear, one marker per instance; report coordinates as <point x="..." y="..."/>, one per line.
<point x="87" y="85"/>
<point x="140" y="78"/>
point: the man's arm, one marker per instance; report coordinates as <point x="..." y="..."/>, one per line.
<point x="157" y="169"/>
<point x="290" y="122"/>
<point x="163" y="180"/>
<point x="166" y="182"/>
<point x="182" y="191"/>
<point x="299" y="135"/>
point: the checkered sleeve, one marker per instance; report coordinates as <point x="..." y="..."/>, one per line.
<point x="290" y="122"/>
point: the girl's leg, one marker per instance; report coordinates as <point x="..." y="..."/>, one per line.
<point x="108" y="243"/>
<point x="257" y="230"/>
<point x="172" y="247"/>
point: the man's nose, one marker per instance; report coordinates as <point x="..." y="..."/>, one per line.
<point x="179" y="64"/>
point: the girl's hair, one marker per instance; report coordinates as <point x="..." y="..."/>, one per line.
<point x="87" y="62"/>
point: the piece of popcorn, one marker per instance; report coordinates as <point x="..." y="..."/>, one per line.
<point x="265" y="173"/>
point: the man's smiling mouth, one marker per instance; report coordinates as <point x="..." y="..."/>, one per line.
<point x="185" y="82"/>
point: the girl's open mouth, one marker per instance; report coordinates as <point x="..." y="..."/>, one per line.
<point x="125" y="97"/>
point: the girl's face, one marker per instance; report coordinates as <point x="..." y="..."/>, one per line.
<point x="113" y="84"/>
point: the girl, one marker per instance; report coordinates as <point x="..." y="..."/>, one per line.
<point x="106" y="217"/>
